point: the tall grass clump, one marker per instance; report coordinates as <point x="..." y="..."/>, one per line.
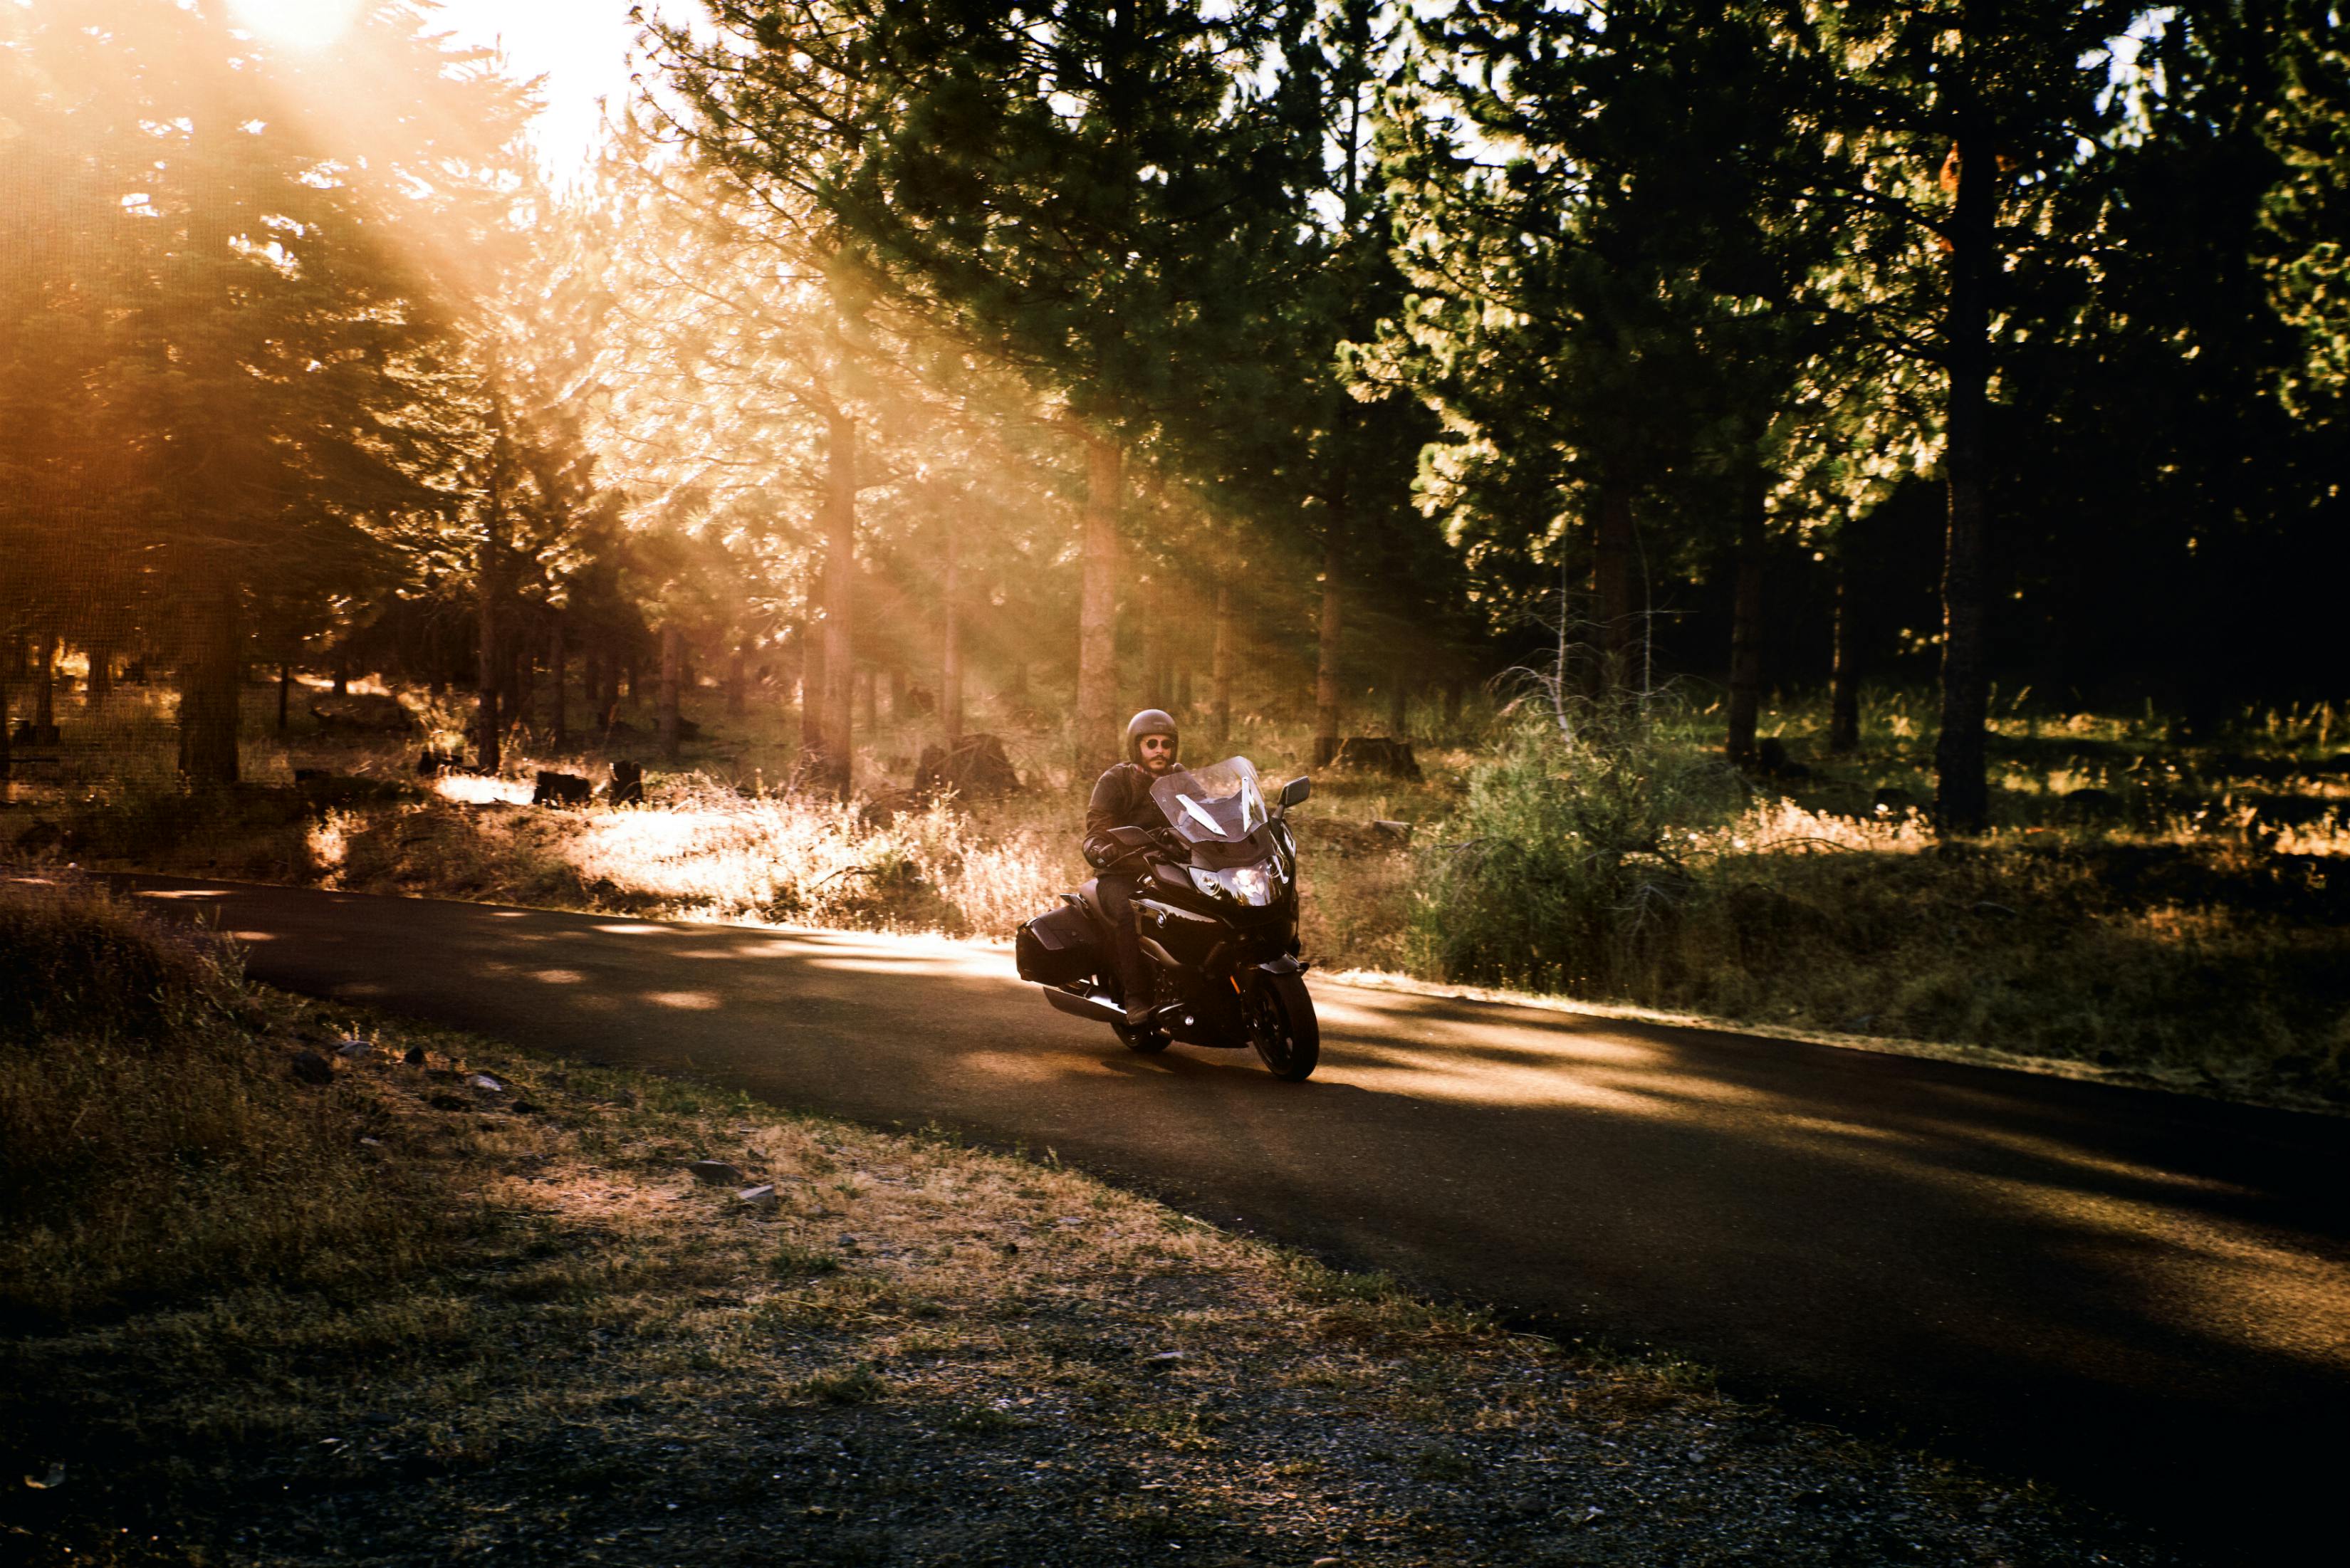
<point x="152" y="1142"/>
<point x="1567" y="866"/>
<point x="75" y="961"/>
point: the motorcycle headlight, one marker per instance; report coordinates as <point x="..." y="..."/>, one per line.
<point x="1255" y="886"/>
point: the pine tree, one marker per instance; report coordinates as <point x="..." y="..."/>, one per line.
<point x="1063" y="187"/>
<point x="262" y="323"/>
<point x="1613" y="298"/>
<point x="1969" y="135"/>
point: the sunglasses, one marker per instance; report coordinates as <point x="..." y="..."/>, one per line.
<point x="1155" y="744"/>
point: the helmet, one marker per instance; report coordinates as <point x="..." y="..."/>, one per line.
<point x="1149" y="722"/>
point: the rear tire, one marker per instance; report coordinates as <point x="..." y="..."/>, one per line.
<point x="1146" y="1041"/>
<point x="1282" y="1026"/>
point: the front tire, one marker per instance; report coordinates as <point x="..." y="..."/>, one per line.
<point x="1282" y="1026"/>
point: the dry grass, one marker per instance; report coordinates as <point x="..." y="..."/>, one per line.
<point x="149" y="1141"/>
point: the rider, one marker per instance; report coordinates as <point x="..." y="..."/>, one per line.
<point x="1122" y="799"/>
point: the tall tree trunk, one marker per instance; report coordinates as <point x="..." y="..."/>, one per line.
<point x="513" y="678"/>
<point x="791" y="658"/>
<point x="6" y="761"/>
<point x="812" y="723"/>
<point x="1219" y="668"/>
<point x="1746" y="627"/>
<point x="1154" y="644"/>
<point x="1097" y="742"/>
<point x="488" y="574"/>
<point x="558" y="655"/>
<point x="1611" y="587"/>
<point x="1844" y="685"/>
<point x="284" y="690"/>
<point x="672" y="681"/>
<point x="951" y="644"/>
<point x="1328" y="698"/>
<point x="868" y="699"/>
<point x="208" y="680"/>
<point x="1961" y="791"/>
<point x="1184" y="690"/>
<point x="101" y="671"/>
<point x="342" y="674"/>
<point x="45" y="687"/>
<point x="837" y="767"/>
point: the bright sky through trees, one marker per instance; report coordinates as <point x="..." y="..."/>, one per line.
<point x="580" y="50"/>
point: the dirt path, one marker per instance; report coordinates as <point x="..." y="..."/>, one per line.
<point x="2143" y="1296"/>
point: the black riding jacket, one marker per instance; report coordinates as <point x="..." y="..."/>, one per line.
<point x="1121" y="799"/>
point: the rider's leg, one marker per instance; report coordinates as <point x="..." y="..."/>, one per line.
<point x="1135" y="980"/>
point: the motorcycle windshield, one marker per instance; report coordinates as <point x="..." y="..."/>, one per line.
<point x="1219" y="804"/>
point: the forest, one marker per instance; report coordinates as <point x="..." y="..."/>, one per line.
<point x="1684" y="401"/>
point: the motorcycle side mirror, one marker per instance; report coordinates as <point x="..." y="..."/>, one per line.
<point x="1294" y="792"/>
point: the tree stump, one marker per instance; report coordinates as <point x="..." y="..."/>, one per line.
<point x="561" y="789"/>
<point x="1377" y="754"/>
<point x="976" y="769"/>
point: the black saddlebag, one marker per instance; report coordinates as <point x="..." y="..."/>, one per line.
<point x="1056" y="948"/>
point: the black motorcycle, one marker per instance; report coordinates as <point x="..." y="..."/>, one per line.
<point x="1216" y="904"/>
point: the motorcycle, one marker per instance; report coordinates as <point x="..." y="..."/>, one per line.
<point x="1216" y="906"/>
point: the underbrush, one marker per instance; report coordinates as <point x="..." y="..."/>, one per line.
<point x="151" y="1141"/>
<point x="1631" y="869"/>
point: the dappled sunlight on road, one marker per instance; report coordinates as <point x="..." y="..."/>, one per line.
<point x="691" y="1000"/>
<point x="1951" y="1137"/>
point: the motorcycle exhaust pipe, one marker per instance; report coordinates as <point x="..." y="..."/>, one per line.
<point x="1093" y="1006"/>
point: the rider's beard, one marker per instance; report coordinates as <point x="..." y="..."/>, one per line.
<point x="1158" y="762"/>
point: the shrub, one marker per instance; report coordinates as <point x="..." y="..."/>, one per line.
<point x="1568" y="863"/>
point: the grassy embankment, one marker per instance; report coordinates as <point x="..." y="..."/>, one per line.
<point x="441" y="1298"/>
<point x="2145" y="908"/>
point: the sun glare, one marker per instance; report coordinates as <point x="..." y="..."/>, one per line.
<point x="305" y="25"/>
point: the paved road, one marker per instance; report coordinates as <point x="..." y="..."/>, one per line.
<point x="2141" y="1296"/>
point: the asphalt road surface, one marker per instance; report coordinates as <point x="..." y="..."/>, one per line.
<point x="2144" y="1298"/>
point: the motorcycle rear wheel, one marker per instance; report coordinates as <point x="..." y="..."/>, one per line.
<point x="1148" y="1041"/>
<point x="1283" y="1028"/>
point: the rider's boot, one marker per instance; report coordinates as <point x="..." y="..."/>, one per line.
<point x="1135" y="980"/>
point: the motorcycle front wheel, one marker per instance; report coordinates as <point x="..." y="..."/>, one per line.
<point x="1282" y="1026"/>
